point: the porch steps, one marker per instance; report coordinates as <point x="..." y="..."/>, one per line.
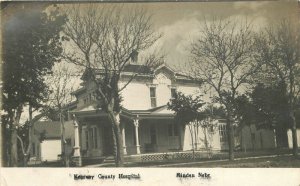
<point x="109" y="159"/>
<point x="93" y="160"/>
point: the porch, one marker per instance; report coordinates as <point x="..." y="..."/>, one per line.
<point x="139" y="136"/>
<point x="143" y="132"/>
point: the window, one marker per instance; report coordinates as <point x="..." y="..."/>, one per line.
<point x="172" y="130"/>
<point x="91" y="138"/>
<point x="223" y="133"/>
<point x="153" y="96"/>
<point x="173" y="93"/>
<point x="95" y="137"/>
<point x="89" y="98"/>
<point x="87" y="139"/>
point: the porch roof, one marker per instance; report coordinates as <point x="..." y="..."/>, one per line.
<point x="154" y="113"/>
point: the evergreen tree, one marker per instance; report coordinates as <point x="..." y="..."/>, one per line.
<point x="31" y="46"/>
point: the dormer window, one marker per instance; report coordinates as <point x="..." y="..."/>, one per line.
<point x="89" y="98"/>
<point x="153" y="96"/>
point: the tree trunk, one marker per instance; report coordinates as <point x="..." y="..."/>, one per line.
<point x="205" y="138"/>
<point x="14" y="148"/>
<point x="230" y="137"/>
<point x="30" y="135"/>
<point x="179" y="128"/>
<point x="5" y="138"/>
<point x="63" y="141"/>
<point x="25" y="160"/>
<point x="195" y="134"/>
<point x="117" y="138"/>
<point x="13" y="138"/>
<point x="252" y="139"/>
<point x="292" y="113"/>
<point x="294" y="134"/>
<point x="192" y="138"/>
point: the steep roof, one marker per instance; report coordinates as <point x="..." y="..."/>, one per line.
<point x="138" y="68"/>
<point x="129" y="68"/>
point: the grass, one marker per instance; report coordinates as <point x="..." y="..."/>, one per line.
<point x="279" y="161"/>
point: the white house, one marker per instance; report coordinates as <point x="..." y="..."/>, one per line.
<point x="46" y="142"/>
<point x="148" y="126"/>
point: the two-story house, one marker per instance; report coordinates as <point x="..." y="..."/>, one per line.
<point x="147" y="125"/>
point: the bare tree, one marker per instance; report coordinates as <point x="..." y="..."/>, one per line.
<point x="28" y="133"/>
<point x="208" y="126"/>
<point x="278" y="48"/>
<point x="62" y="82"/>
<point x="105" y="38"/>
<point x="193" y="127"/>
<point x="58" y="95"/>
<point x="222" y="56"/>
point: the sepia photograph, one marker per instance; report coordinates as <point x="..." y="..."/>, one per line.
<point x="150" y="85"/>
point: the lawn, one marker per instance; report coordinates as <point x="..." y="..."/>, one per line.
<point x="264" y="162"/>
<point x="279" y="161"/>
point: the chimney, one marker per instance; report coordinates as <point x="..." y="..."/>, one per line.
<point x="134" y="56"/>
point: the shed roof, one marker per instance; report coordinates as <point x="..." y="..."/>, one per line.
<point x="52" y="129"/>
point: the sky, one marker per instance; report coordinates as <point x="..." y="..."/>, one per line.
<point x="180" y="22"/>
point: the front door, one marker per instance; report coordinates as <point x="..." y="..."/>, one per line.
<point x="107" y="141"/>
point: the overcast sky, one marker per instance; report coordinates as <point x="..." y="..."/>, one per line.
<point x="180" y="22"/>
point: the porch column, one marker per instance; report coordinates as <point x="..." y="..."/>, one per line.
<point x="136" y="125"/>
<point x="76" y="156"/>
<point x="124" y="142"/>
